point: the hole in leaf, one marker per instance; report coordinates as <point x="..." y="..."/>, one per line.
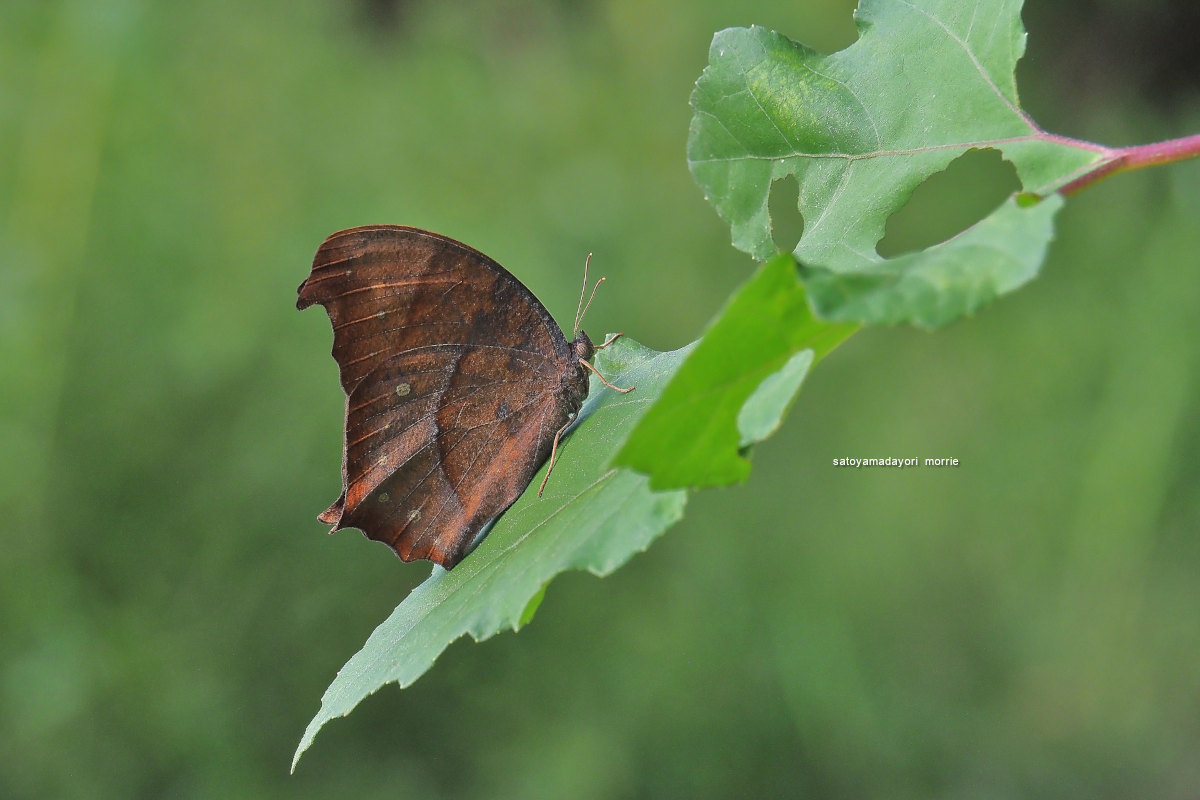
<point x="949" y="202"/>
<point x="786" y="222"/>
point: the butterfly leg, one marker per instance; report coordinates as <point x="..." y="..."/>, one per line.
<point x="612" y="338"/>
<point x="606" y="383"/>
<point x="554" y="453"/>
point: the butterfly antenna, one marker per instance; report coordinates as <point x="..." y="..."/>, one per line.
<point x="593" y="297"/>
<point x="579" y="309"/>
<point x="582" y="309"/>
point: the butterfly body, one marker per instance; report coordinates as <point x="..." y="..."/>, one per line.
<point x="457" y="380"/>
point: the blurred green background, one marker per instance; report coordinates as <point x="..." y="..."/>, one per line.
<point x="170" y="611"/>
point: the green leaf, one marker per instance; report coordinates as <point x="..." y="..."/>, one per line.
<point x="732" y="391"/>
<point x="936" y="286"/>
<point x="927" y="81"/>
<point x="591" y="516"/>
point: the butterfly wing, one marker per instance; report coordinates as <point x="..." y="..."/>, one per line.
<point x="454" y="376"/>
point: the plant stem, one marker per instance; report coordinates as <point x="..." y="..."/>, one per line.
<point x="1130" y="158"/>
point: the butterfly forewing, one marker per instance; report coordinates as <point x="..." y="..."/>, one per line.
<point x="454" y="375"/>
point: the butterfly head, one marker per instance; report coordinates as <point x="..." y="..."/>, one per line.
<point x="574" y="385"/>
<point x="583" y="346"/>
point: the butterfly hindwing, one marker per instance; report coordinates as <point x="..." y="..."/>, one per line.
<point x="456" y="380"/>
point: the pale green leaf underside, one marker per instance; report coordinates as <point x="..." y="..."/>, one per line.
<point x="927" y="81"/>
<point x="764" y="409"/>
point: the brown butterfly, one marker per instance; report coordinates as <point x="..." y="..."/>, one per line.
<point x="458" y="386"/>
